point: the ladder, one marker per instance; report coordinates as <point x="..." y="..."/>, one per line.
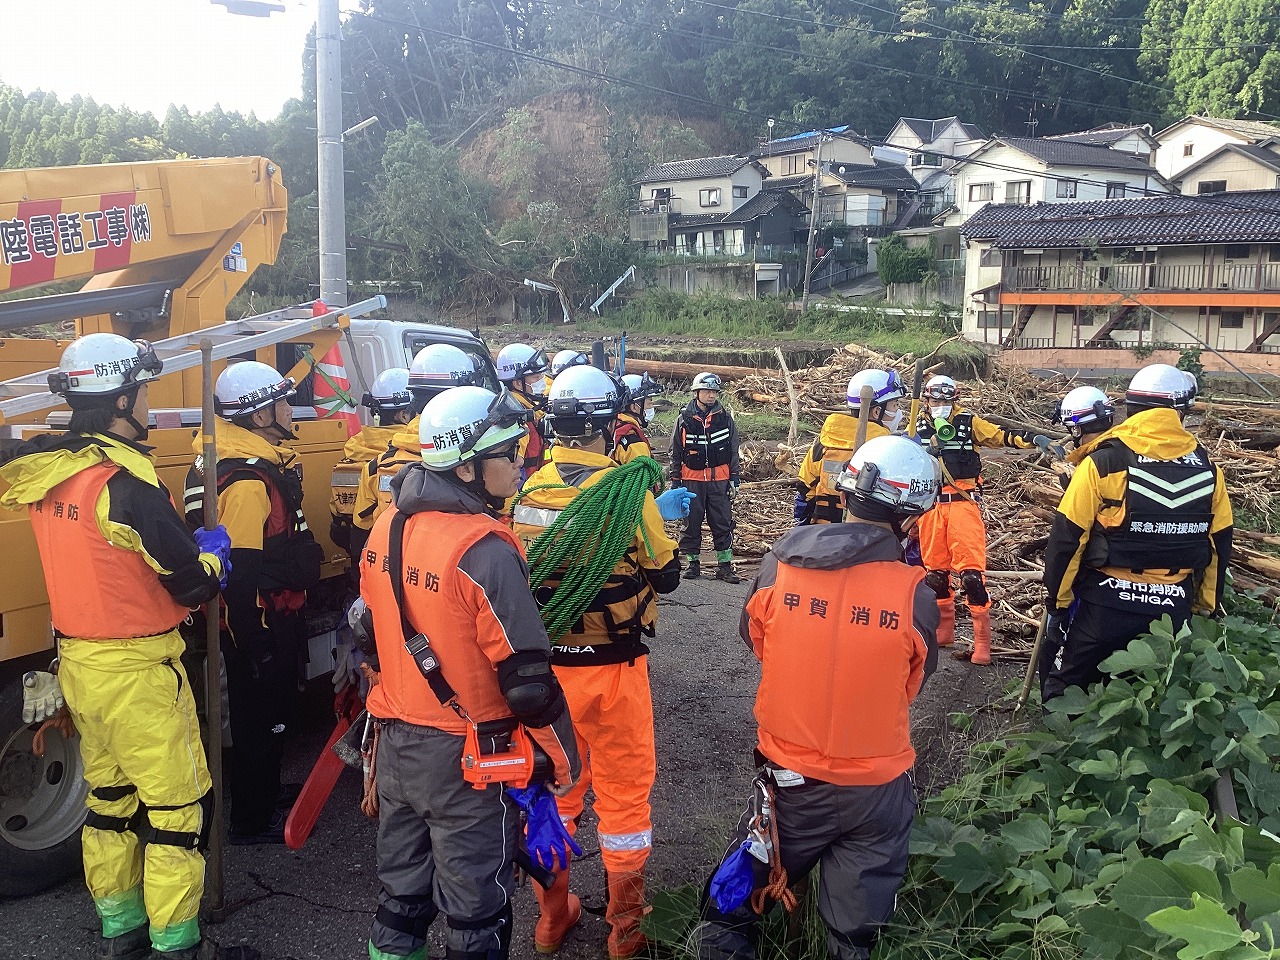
<point x="30" y="393"/>
<point x="627" y="274"/>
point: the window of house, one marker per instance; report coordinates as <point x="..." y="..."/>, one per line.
<point x="988" y="319"/>
<point x="948" y="251"/>
<point x="926" y="160"/>
<point x="991" y="257"/>
<point x="1115" y="190"/>
<point x="1067" y="189"/>
<point x="1188" y="149"/>
<point x="660" y="193"/>
<point x="709" y="197"/>
<point x="1086" y="318"/>
<point x="1237" y="251"/>
<point x="1232" y="320"/>
<point x="981" y="192"/>
<point x="739" y="193"/>
<point x="792" y="164"/>
<point x="1017" y="191"/>
<point x="1273" y="253"/>
<point x="1211" y="186"/>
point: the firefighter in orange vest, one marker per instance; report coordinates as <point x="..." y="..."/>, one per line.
<point x="845" y="633"/>
<point x="122" y="572"/>
<point x="704" y="460"/>
<point x="953" y="537"/>
<point x="390" y="404"/>
<point x="435" y="368"/>
<point x="1143" y="530"/>
<point x="629" y="439"/>
<point x="275" y="560"/>
<point x="463" y="653"/>
<point x="523" y="370"/>
<point x="602" y="660"/>
<point x="817" y="499"/>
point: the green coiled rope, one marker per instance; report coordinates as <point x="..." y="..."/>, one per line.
<point x="588" y="539"/>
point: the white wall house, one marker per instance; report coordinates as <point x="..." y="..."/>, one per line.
<point x="1234" y="167"/>
<point x="702" y="185"/>
<point x="1192" y="139"/>
<point x="1023" y="170"/>
<point x="1137" y="140"/>
<point x="931" y="145"/>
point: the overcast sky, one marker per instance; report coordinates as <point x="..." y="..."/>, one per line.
<point x="147" y="54"/>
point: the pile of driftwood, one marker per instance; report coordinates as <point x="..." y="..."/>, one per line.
<point x="1021" y="489"/>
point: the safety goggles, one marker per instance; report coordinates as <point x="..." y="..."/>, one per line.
<point x="538" y="363"/>
<point x="148" y="362"/>
<point x="510" y="453"/>
<point x="648" y="388"/>
<point x="942" y="391"/>
<point x="504" y="411"/>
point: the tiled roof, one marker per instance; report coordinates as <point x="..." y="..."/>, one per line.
<point x="796" y="142"/>
<point x="1249" y="129"/>
<point x="880" y="176"/>
<point x="1064" y="153"/>
<point x="1104" y="136"/>
<point x="1256" y="151"/>
<point x="763" y="204"/>
<point x="929" y="130"/>
<point x="1247" y="217"/>
<point x="696" y="169"/>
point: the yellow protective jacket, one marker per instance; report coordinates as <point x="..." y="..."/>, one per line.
<point x="817" y="499"/>
<point x="118" y="560"/>
<point x="344" y="480"/>
<point x="373" y="495"/>
<point x="629" y="439"/>
<point x="1145" y="504"/>
<point x="625" y="611"/>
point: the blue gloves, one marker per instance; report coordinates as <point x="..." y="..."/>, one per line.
<point x="218" y="543"/>
<point x="734" y="879"/>
<point x="674" y="504"/>
<point x="548" y="841"/>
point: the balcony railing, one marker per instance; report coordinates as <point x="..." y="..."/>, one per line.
<point x="1133" y="277"/>
<point x="659" y="205"/>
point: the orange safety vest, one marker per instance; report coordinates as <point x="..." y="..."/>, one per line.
<point x="834" y="702"/>
<point x="434" y="543"/>
<point x="97" y="591"/>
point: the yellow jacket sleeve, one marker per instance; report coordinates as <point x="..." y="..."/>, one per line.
<point x="988" y="434"/>
<point x="809" y="472"/>
<point x="1220" y="535"/>
<point x="243" y="508"/>
<point x="1069" y="535"/>
<point x="362" y="515"/>
<point x="664" y="548"/>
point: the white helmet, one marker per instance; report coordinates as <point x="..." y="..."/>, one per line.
<point x="103" y="365"/>
<point x="706" y="381"/>
<point x="583" y="400"/>
<point x="1159" y="385"/>
<point x="1085" y="410"/>
<point x="885" y="385"/>
<point x="517" y="360"/>
<point x="1192" y="383"/>
<point x="440" y="366"/>
<point x="941" y="388"/>
<point x="893" y="472"/>
<point x="389" y="393"/>
<point x="465" y="423"/>
<point x="565" y="359"/>
<point x="249" y="386"/>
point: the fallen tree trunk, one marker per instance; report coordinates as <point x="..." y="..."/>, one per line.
<point x="687" y="371"/>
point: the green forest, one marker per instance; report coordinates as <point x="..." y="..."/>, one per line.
<point x="669" y="78"/>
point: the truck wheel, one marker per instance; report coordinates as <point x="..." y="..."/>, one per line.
<point x="41" y="803"/>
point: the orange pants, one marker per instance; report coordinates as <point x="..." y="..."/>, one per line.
<point x="612" y="712"/>
<point x="953" y="536"/>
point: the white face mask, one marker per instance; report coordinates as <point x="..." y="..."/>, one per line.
<point x="539" y="387"/>
<point x="943" y="412"/>
<point x="648" y="414"/>
<point x="892" y="421"/>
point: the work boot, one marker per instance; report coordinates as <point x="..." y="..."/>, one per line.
<point x="274" y="832"/>
<point x="946" y="623"/>
<point x="559" y="911"/>
<point x="724" y="571"/>
<point x="134" y="945"/>
<point x="694" y="570"/>
<point x="208" y="950"/>
<point x="981" y="617"/>
<point x="625" y="910"/>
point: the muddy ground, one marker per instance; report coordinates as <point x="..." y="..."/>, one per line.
<point x="316" y="904"/>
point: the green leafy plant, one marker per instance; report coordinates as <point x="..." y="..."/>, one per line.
<point x="1189" y="360"/>
<point x="1092" y="835"/>
<point x="896" y="263"/>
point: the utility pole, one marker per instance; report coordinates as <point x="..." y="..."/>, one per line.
<point x="332" y="193"/>
<point x="813" y="219"/>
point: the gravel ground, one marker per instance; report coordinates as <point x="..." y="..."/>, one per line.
<point x="316" y="904"/>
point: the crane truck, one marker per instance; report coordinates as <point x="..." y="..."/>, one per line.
<point x="161" y="248"/>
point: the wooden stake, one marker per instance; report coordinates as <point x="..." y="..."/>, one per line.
<point x="215" y="883"/>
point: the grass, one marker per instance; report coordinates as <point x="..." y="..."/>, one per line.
<point x="753" y="423"/>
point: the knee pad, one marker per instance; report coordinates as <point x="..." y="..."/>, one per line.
<point x="531" y="689"/>
<point x="501" y="950"/>
<point x="196" y="840"/>
<point x="114" y="824"/>
<point x="420" y="913"/>
<point x="939" y="581"/>
<point x="975" y="588"/>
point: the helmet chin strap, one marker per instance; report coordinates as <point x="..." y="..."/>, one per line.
<point x="142" y="431"/>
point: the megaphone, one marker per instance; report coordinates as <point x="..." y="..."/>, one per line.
<point x="944" y="429"/>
